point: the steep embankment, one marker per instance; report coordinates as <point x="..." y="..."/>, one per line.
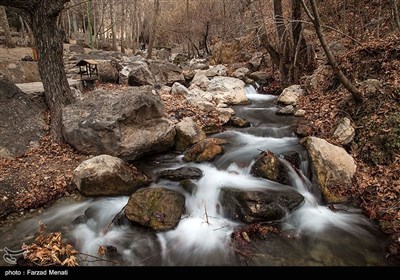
<point x="376" y="146"/>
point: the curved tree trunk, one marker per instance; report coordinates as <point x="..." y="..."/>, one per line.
<point x="42" y="15"/>
<point x="315" y="19"/>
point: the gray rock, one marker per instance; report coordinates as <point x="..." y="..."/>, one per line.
<point x="188" y="133"/>
<point x="139" y="74"/>
<point x="287" y="110"/>
<point x="239" y="122"/>
<point x="109" y="71"/>
<point x="269" y="166"/>
<point x="290" y="95"/>
<point x="332" y="167"/>
<point x="179" y="89"/>
<point x="23" y="120"/>
<point x="106" y="176"/>
<point x="130" y="123"/>
<point x="258" y="206"/>
<point x="260" y="76"/>
<point x="166" y="73"/>
<point x="241" y="73"/>
<point x="345" y="132"/>
<point x="181" y="173"/>
<point x="21" y="72"/>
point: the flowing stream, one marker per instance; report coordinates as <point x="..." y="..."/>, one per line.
<point x="203" y="237"/>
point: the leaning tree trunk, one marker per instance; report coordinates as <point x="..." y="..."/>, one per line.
<point x="315" y="19"/>
<point x="4" y="24"/>
<point x="49" y="43"/>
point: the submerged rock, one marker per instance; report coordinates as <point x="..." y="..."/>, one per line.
<point x="258" y="206"/>
<point x="181" y="173"/>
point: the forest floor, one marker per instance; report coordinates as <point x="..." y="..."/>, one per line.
<point x="45" y="173"/>
<point x="376" y="147"/>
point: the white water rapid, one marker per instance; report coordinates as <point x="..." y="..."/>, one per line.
<point x="323" y="235"/>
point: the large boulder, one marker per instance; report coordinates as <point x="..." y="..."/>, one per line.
<point x="333" y="168"/>
<point x="105" y="175"/>
<point x="228" y="90"/>
<point x="179" y="89"/>
<point x="108" y="71"/>
<point x="130" y="123"/>
<point x="166" y="73"/>
<point x="260" y="77"/>
<point x="322" y="74"/>
<point x="255" y="61"/>
<point x="258" y="206"/>
<point x="21" y="72"/>
<point x="241" y="73"/>
<point x="23" y="120"/>
<point x="217" y="70"/>
<point x="198" y="63"/>
<point x="188" y="133"/>
<point x="200" y="81"/>
<point x="290" y="95"/>
<point x="269" y="166"/>
<point x="138" y="74"/>
<point x="158" y="208"/>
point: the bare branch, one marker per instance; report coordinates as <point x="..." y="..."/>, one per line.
<point x="310" y="16"/>
<point x="113" y="219"/>
<point x="330" y="28"/>
<point x="356" y="94"/>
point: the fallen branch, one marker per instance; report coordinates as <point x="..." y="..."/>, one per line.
<point x="116" y="215"/>
<point x="96" y="259"/>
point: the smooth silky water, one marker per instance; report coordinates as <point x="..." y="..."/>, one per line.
<point x="203" y="236"/>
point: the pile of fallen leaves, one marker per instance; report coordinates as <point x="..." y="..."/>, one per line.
<point x="38" y="177"/>
<point x="49" y="250"/>
<point x="376" y="147"/>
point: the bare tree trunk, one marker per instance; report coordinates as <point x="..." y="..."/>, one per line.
<point x="315" y="19"/>
<point x="42" y="16"/>
<point x="83" y="13"/>
<point x="23" y="33"/>
<point x="123" y="18"/>
<point x="378" y="29"/>
<point x="136" y="26"/>
<point x="264" y="38"/>
<point x="279" y="21"/>
<point x="69" y="24"/>
<point x="74" y="23"/>
<point x="299" y="56"/>
<point x="396" y="13"/>
<point x="114" y="37"/>
<point x="154" y="28"/>
<point x="4" y="24"/>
